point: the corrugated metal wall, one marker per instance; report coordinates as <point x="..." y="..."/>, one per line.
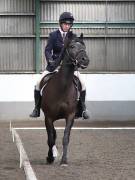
<point x="108" y="27"/>
<point x="17" y="44"/>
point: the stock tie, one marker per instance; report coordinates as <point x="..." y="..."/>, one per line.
<point x="64" y="35"/>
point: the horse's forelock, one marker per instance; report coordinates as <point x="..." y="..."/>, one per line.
<point x="72" y="37"/>
<point x="77" y="39"/>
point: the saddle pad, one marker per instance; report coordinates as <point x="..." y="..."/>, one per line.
<point x="45" y="80"/>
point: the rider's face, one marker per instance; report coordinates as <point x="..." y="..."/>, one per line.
<point x="65" y="27"/>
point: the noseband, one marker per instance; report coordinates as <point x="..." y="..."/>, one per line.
<point x="74" y="61"/>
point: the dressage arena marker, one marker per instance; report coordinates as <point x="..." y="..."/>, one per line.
<point x="24" y="160"/>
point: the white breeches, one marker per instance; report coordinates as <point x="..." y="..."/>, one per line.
<point x="76" y="73"/>
<point x="39" y="80"/>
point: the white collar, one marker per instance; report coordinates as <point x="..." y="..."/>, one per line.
<point x="62" y="32"/>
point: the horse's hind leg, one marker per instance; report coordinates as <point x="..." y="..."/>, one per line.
<point x="69" y="124"/>
<point x="51" y="132"/>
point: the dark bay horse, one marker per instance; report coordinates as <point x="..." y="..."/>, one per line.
<point x="59" y="97"/>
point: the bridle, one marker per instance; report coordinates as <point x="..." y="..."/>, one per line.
<point x="74" y="59"/>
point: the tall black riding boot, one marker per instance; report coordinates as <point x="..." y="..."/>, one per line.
<point x="36" y="111"/>
<point x="82" y="99"/>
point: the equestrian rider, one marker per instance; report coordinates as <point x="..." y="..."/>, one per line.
<point x="52" y="53"/>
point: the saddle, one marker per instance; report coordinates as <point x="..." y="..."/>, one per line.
<point x="47" y="78"/>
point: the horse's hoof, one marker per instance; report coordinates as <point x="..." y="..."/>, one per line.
<point x="64" y="165"/>
<point x="50" y="160"/>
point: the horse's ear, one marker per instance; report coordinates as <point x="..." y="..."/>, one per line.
<point x="81" y="36"/>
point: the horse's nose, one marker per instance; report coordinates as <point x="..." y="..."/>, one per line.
<point x="83" y="59"/>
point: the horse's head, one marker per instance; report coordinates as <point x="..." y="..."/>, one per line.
<point x="76" y="51"/>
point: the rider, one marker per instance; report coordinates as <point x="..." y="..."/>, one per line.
<point x="52" y="53"/>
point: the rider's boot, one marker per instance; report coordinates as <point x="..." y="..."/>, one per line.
<point x="36" y="111"/>
<point x="82" y="99"/>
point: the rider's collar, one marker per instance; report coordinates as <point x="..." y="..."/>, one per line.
<point x="62" y="32"/>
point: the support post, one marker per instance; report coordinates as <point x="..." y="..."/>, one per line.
<point x="37" y="27"/>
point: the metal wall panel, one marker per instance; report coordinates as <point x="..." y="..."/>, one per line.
<point x="16" y="55"/>
<point x="121" y="11"/>
<point x="17" y="28"/>
<point x="121" y="31"/>
<point x="19" y="6"/>
<point x="43" y="60"/>
<point x="16" y="25"/>
<point x="83" y="11"/>
<point x="95" y="48"/>
<point x="120" y="54"/>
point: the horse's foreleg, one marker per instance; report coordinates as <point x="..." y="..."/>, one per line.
<point x="69" y="124"/>
<point x="51" y="132"/>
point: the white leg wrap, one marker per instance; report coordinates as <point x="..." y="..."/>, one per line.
<point x="55" y="151"/>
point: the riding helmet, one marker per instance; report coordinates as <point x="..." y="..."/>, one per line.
<point x="66" y="17"/>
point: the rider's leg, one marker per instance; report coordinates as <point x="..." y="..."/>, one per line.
<point x="82" y="96"/>
<point x="37" y="97"/>
<point x="82" y="99"/>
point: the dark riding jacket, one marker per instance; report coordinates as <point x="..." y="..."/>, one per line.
<point x="53" y="50"/>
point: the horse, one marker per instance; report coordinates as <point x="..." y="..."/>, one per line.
<point x="59" y="97"/>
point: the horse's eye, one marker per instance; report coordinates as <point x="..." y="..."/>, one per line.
<point x="72" y="46"/>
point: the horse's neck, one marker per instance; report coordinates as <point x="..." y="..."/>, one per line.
<point x="66" y="73"/>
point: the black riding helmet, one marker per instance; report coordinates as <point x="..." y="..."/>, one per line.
<point x="66" y="17"/>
